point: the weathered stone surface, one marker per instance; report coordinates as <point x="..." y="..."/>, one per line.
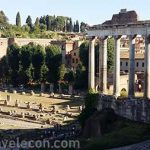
<point x="8" y="98"/>
<point x="134" y="109"/>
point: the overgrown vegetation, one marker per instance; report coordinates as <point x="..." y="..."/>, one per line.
<point x="43" y="27"/>
<point x="123" y="132"/>
<point x="91" y="101"/>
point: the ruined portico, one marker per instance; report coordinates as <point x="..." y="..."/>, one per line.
<point x="122" y="27"/>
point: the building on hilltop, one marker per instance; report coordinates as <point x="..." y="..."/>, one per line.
<point x="123" y="17"/>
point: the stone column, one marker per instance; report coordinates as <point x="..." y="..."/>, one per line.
<point x="131" y="66"/>
<point x="116" y="76"/>
<point x="103" y="65"/>
<point x="147" y="68"/>
<point x="91" y="71"/>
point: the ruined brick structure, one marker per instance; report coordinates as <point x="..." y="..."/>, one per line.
<point x="123" y="17"/>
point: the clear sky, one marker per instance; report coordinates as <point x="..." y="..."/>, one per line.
<point x="89" y="11"/>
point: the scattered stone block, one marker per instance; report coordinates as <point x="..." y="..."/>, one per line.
<point x="28" y="105"/>
<point x="68" y="108"/>
<point x="5" y="103"/>
<point x="52" y="94"/>
<point x="22" y="115"/>
<point x="14" y="91"/>
<point x="32" y="93"/>
<point x="80" y="108"/>
<point x="16" y="103"/>
<point x="41" y="94"/>
<point x="8" y="98"/>
<point x="41" y="107"/>
<point x="23" y="93"/>
<point x="64" y="118"/>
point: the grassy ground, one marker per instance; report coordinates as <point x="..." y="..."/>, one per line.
<point x="122" y="132"/>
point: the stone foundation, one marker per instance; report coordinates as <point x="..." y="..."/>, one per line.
<point x="136" y="109"/>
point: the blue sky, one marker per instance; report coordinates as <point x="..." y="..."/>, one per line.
<point x="90" y="11"/>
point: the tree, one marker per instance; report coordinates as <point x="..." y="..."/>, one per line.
<point x="60" y="23"/>
<point x="69" y="77"/>
<point x="38" y="60"/>
<point x="83" y="26"/>
<point x="53" y="62"/>
<point x="44" y="73"/>
<point x="37" y="23"/>
<point x="43" y="27"/>
<point x="18" y="20"/>
<point x="4" y="69"/>
<point x="81" y="78"/>
<point x="3" y="18"/>
<point x="110" y="55"/>
<point x="13" y="54"/>
<point x="29" y="22"/>
<point x="76" y="26"/>
<point x="61" y="72"/>
<point x="49" y="22"/>
<point x="69" y="25"/>
<point x="26" y="64"/>
<point x="26" y="56"/>
<point x="83" y="53"/>
<point x="43" y="20"/>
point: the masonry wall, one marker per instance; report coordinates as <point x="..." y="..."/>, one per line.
<point x="133" y="109"/>
<point x="25" y="41"/>
<point x="3" y="46"/>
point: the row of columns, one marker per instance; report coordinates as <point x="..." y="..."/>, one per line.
<point x="116" y="76"/>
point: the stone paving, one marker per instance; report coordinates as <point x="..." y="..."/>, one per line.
<point x="140" y="146"/>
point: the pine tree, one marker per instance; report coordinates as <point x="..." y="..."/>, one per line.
<point x="37" y="22"/>
<point x="18" y="20"/>
<point x="29" y="21"/>
<point x="48" y="22"/>
<point x="71" y="26"/>
<point x="77" y="26"/>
